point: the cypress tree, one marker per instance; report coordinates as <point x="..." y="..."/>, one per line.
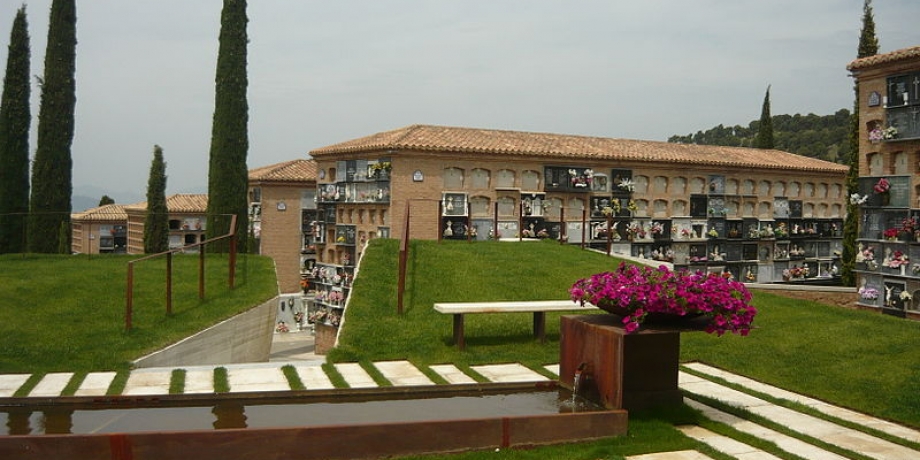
<point x="106" y="200"/>
<point x="868" y="46"/>
<point x="15" y="119"/>
<point x="227" y="171"/>
<point x="764" y="138"/>
<point x="156" y="223"/>
<point x="52" y="170"/>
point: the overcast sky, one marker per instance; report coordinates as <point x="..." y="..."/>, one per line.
<point x="323" y="72"/>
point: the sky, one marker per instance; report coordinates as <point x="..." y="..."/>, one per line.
<point x="323" y="72"/>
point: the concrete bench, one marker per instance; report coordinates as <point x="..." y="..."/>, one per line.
<point x="537" y="307"/>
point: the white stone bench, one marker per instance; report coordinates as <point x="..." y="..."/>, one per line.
<point x="537" y="307"/>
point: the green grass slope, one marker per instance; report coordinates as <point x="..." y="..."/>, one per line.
<point x="859" y="359"/>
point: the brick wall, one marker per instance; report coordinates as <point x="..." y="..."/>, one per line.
<point x="282" y="236"/>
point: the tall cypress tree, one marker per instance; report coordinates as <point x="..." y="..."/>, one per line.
<point x="52" y="170"/>
<point x="15" y="119"/>
<point x="764" y="138"/>
<point x="156" y="223"/>
<point x="868" y="46"/>
<point x="227" y="172"/>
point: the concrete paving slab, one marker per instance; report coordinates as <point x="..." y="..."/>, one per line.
<point x="752" y="384"/>
<point x="829" y="409"/>
<point x="506" y="373"/>
<point x="257" y="379"/>
<point x="829" y="432"/>
<point x="402" y="373"/>
<point x="95" y="384"/>
<point x="452" y="374"/>
<point x="313" y="378"/>
<point x="153" y="381"/>
<point x="884" y="426"/>
<point x="198" y="381"/>
<point x="725" y="444"/>
<point x="355" y="375"/>
<point x="784" y="442"/>
<point x="9" y="383"/>
<point x="722" y="393"/>
<point x="554" y="368"/>
<point x="676" y="455"/>
<point x="51" y="384"/>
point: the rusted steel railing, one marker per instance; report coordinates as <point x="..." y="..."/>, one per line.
<point x="129" y="290"/>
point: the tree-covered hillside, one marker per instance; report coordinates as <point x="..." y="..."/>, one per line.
<point x="811" y="135"/>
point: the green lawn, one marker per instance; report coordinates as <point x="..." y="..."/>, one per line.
<point x="66" y="313"/>
<point x="859" y="359"/>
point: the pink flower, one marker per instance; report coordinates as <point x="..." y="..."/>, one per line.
<point x="636" y="292"/>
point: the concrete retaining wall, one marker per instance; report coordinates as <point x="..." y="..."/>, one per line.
<point x="244" y="338"/>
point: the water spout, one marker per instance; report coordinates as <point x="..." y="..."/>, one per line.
<point x="580" y="373"/>
<point x="577" y="379"/>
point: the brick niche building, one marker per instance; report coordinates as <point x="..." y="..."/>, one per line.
<point x="888" y="264"/>
<point x="761" y="215"/>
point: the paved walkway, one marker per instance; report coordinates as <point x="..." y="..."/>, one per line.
<point x="269" y="377"/>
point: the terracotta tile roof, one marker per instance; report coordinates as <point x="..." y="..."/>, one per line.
<point x="179" y="203"/>
<point x="289" y="171"/>
<point x="569" y="147"/>
<point x="109" y="212"/>
<point x="885" y="58"/>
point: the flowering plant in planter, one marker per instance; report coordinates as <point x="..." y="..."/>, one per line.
<point x="635" y="293"/>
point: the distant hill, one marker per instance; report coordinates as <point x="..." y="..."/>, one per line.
<point x="87" y="196"/>
<point x="816" y="136"/>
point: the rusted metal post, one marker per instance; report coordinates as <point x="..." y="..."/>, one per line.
<point x="495" y="223"/>
<point x="440" y="217"/>
<point x="169" y="271"/>
<point x="403" y="259"/>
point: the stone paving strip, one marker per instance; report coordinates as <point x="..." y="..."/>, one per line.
<point x="51" y="384"/>
<point x="676" y="455"/>
<point x="831" y="433"/>
<point x="451" y="374"/>
<point x="95" y="384"/>
<point x="314" y="378"/>
<point x="143" y="382"/>
<point x="9" y="383"/>
<point x="784" y="442"/>
<point x="884" y="426"/>
<point x="402" y="373"/>
<point x="247" y="379"/>
<point x="726" y="445"/>
<point x="509" y="373"/>
<point x="355" y="375"/>
<point x="199" y="380"/>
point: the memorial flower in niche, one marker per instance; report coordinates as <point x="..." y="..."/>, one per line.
<point x="882" y="186"/>
<point x="636" y="292"/>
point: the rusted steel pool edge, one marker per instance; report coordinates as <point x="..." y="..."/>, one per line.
<point x="351" y="441"/>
